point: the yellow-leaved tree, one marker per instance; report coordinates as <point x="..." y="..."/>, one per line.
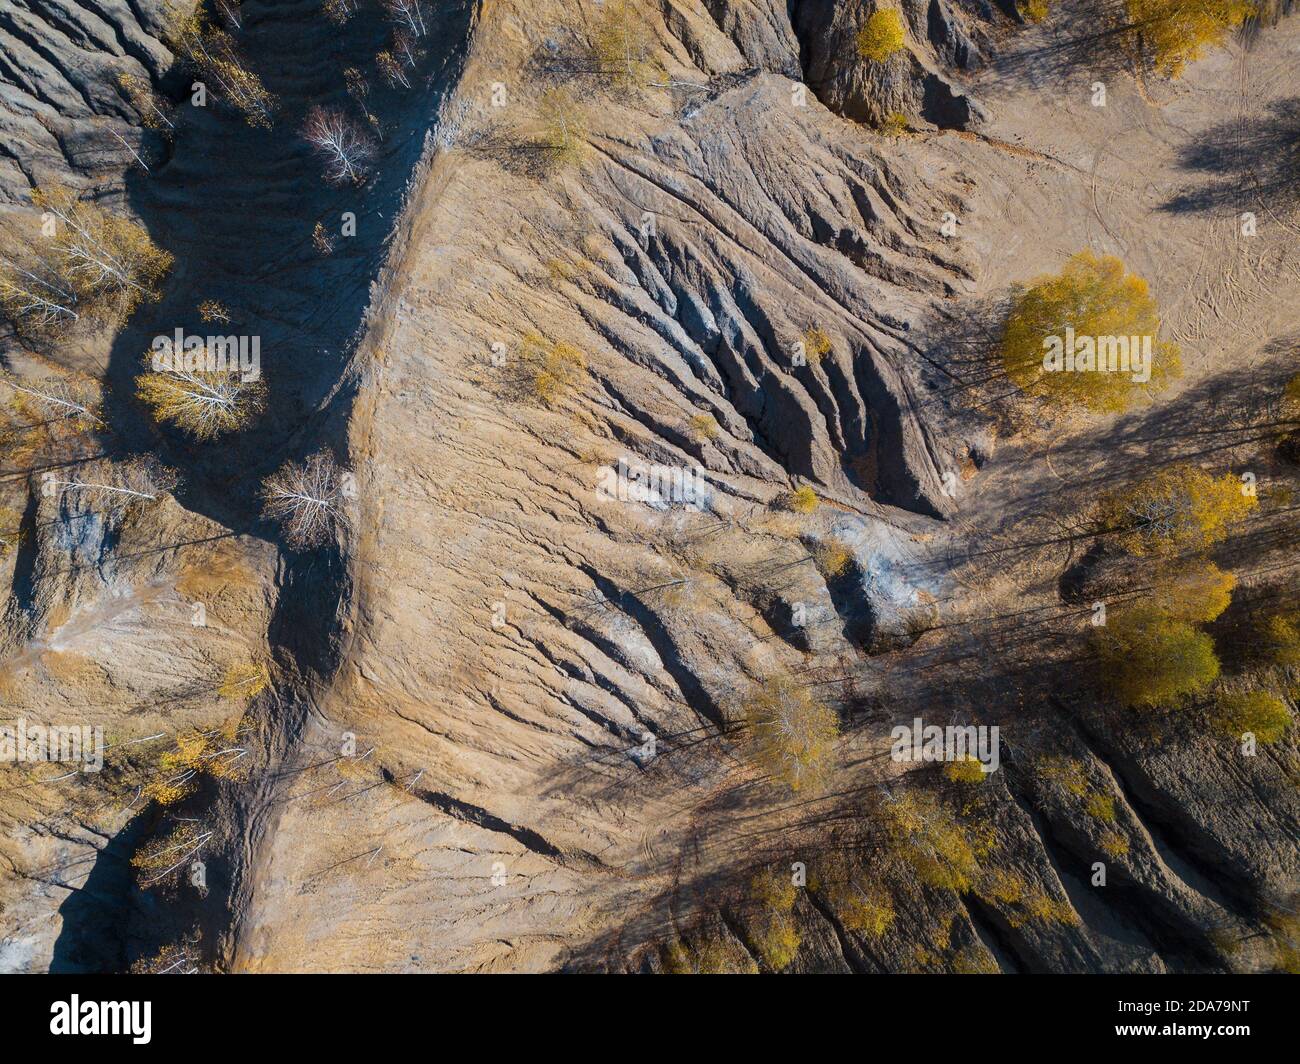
<point x="203" y="402"/>
<point x="775" y="936"/>
<point x="1176" y="510"/>
<point x="211" y="53"/>
<point x="1070" y="337"/>
<point x="86" y="263"/>
<point x="563" y="139"/>
<point x="1169" y="34"/>
<point x="1258" y="713"/>
<point x="1196" y="592"/>
<point x="1150" y="659"/>
<point x="623" y="44"/>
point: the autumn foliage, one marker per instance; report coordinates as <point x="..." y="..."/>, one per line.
<point x="1149" y="658"/>
<point x="1176" y="510"/>
<point x="1091" y="297"/>
<point x="93" y="265"/>
<point x="1172" y="33"/>
<point x="881" y="36"/>
<point x="791" y="734"/>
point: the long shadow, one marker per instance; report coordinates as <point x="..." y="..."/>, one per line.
<point x="97" y="916"/>
<point x="238" y="207"/>
<point x="1254" y="160"/>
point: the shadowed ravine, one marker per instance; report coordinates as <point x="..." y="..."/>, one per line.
<point x="237" y="205"/>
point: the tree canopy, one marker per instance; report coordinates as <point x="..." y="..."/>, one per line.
<point x="1150" y="659"/>
<point x="1176" y="510"/>
<point x="1095" y="302"/>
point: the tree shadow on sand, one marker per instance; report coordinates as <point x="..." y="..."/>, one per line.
<point x="1244" y="163"/>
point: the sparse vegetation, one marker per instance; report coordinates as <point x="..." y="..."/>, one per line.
<point x="550" y="368"/>
<point x="213" y="55"/>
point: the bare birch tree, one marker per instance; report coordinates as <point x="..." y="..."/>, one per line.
<point x="130" y="482"/>
<point x="342" y="144"/>
<point x="306" y="499"/>
<point x="205" y="403"/>
<point x="406" y="14"/>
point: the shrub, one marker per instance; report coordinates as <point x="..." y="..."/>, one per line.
<point x="968" y="770"/>
<point x="710" y="954"/>
<point x="832" y="557"/>
<point x="868" y="911"/>
<point x="1114" y="845"/>
<point x="802" y="500"/>
<point x="816" y="344"/>
<point x="705" y="426"/>
<point x="882" y="35"/>
<point x="930" y="838"/>
<point x="1101" y="807"/>
<point x="550" y="368"/>
<point x="1263" y="715"/>
<point x="775" y="936"/>
<point x="895" y="124"/>
<point x="1095" y="297"/>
